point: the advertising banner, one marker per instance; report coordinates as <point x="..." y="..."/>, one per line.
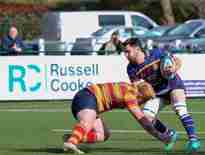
<point x="193" y="74"/>
<point x="51" y="77"/>
<point x="60" y="77"/>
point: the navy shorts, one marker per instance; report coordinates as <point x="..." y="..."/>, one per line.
<point x="84" y="99"/>
<point x="175" y="83"/>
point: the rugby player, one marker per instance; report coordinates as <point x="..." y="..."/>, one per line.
<point x="95" y="99"/>
<point x="147" y="67"/>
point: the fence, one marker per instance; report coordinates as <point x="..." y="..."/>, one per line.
<point x="65" y="48"/>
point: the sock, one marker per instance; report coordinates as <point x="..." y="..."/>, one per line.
<point x="188" y="124"/>
<point x="159" y="126"/>
<point x="77" y="135"/>
<point x="90" y="137"/>
<point x="165" y="132"/>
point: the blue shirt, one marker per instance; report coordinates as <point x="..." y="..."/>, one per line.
<point x="150" y="71"/>
<point x="7" y="43"/>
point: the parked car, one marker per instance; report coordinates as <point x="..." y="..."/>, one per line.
<point x="158" y="31"/>
<point x="149" y="37"/>
<point x="98" y="38"/>
<point x="67" y="26"/>
<point x="181" y="35"/>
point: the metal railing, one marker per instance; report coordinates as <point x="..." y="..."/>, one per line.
<point x="64" y="48"/>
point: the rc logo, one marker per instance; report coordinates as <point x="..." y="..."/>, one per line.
<point x="24" y="78"/>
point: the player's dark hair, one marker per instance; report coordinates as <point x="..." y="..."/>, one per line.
<point x="134" y="42"/>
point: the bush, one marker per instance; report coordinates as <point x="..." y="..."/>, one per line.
<point x="27" y="18"/>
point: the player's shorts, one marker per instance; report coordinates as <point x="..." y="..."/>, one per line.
<point x="173" y="84"/>
<point x="84" y="99"/>
<point x="176" y="83"/>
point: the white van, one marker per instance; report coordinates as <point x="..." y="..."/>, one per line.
<point x="66" y="26"/>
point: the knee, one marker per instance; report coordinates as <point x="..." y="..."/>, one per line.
<point x="178" y="95"/>
<point x="87" y="126"/>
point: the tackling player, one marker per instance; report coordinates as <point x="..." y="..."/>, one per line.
<point x="95" y="99"/>
<point x="147" y="67"/>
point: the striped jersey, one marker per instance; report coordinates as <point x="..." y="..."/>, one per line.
<point x="114" y="95"/>
<point x="149" y="71"/>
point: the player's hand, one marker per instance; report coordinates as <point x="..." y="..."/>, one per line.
<point x="14" y="46"/>
<point x="170" y="69"/>
<point x="18" y="49"/>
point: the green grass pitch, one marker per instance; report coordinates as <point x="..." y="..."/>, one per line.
<point x="27" y="128"/>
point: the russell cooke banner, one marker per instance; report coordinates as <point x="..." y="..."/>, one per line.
<point x="51" y="77"/>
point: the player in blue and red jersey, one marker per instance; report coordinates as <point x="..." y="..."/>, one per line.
<point x="95" y="99"/>
<point x="147" y="67"/>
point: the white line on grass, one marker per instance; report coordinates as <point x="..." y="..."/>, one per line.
<point x="64" y="110"/>
<point x="33" y="110"/>
<point x="121" y="131"/>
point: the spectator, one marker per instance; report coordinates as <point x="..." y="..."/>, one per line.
<point x="12" y="43"/>
<point x="113" y="46"/>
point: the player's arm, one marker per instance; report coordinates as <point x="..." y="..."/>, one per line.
<point x="145" y="122"/>
<point x="131" y="102"/>
<point x="149" y="126"/>
<point x="141" y="118"/>
<point x="132" y="105"/>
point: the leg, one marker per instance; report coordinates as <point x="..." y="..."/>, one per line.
<point x="151" y="109"/>
<point x="101" y="129"/>
<point x="86" y="119"/>
<point x="178" y="101"/>
<point x="99" y="132"/>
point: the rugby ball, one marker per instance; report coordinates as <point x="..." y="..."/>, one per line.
<point x="165" y="62"/>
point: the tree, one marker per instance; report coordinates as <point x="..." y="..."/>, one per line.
<point x="6" y="23"/>
<point x="200" y="4"/>
<point x="168" y="12"/>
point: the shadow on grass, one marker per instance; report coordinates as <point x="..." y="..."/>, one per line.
<point x="134" y="150"/>
<point x="134" y="138"/>
<point x="40" y="150"/>
<point x="89" y="149"/>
